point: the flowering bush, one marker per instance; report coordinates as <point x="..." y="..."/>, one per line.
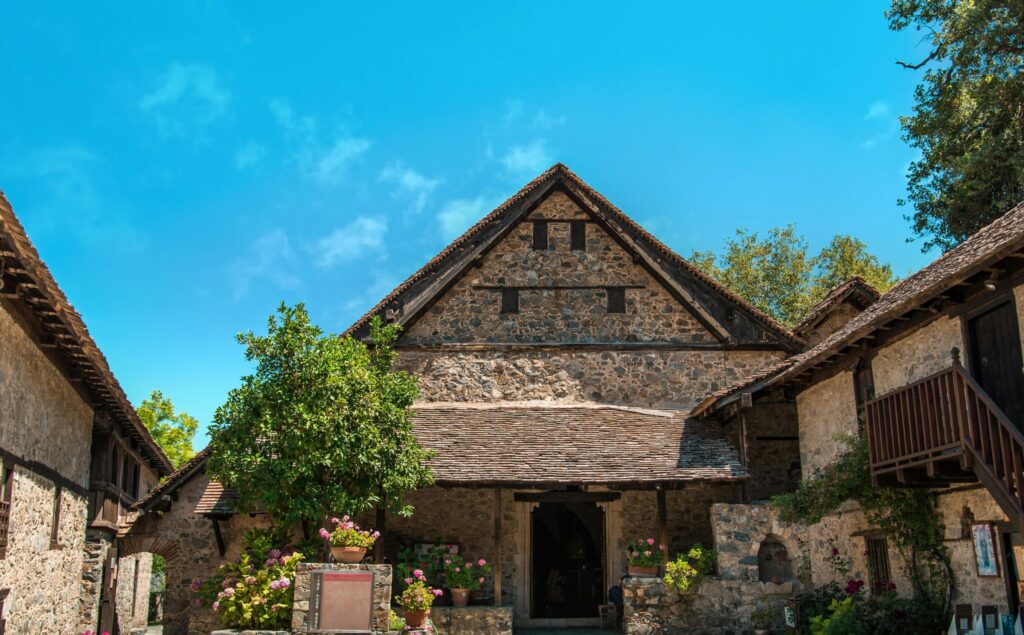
<point x="417" y="596"/>
<point x="255" y="591"/>
<point x="348" y="534"/>
<point x="643" y="553"/>
<point x="430" y="563"/>
<point x="465" y="574"/>
<point x="687" y="570"/>
<point x="836" y="561"/>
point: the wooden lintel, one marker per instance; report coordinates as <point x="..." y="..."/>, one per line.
<point x="496" y="557"/>
<point x="662" y="525"/>
<point x="217" y="534"/>
<point x="566" y="497"/>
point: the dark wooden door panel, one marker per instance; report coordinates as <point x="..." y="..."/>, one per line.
<point x="996" y="360"/>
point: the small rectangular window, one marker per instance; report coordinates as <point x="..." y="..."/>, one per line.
<point x="510" y="300"/>
<point x="540" y="235"/>
<point x="578" y="235"/>
<point x="55" y="525"/>
<point x="616" y="300"/>
<point x="878" y="565"/>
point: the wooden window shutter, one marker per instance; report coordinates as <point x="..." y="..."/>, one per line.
<point x="510" y="300"/>
<point x="540" y="235"/>
<point x="578" y="235"/>
<point x="616" y="300"/>
<point x="878" y="565"/>
<point x="55" y="525"/>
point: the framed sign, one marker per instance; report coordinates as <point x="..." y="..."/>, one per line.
<point x="341" y="602"/>
<point x="985" y="558"/>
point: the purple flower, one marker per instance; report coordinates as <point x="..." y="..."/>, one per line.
<point x="275" y="553"/>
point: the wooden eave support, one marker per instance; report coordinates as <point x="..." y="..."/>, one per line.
<point x="497" y="557"/>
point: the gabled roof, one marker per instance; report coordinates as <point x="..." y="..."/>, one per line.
<point x="986" y="248"/>
<point x="25" y="277"/>
<point x="729" y="317"/>
<point x="541" y="444"/>
<point x="856" y="290"/>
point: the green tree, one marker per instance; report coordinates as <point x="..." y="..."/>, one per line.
<point x="968" y="119"/>
<point x="171" y="429"/>
<point x="322" y="426"/>
<point x="779" y="276"/>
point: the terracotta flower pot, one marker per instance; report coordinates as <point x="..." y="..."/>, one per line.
<point x="416" y="619"/>
<point x="460" y="597"/>
<point x="643" y="572"/>
<point x="348" y="555"/>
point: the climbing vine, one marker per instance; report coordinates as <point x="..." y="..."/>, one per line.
<point x="907" y="517"/>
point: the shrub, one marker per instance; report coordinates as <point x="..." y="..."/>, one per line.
<point x="465" y="574"/>
<point x="257" y="590"/>
<point x="417" y="596"/>
<point x="395" y="623"/>
<point x="764" y="615"/>
<point x="687" y="570"/>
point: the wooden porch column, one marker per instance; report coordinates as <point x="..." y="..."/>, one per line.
<point x="497" y="547"/>
<point x="378" y="547"/>
<point x="662" y="523"/>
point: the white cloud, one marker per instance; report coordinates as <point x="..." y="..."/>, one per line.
<point x="527" y="159"/>
<point x="269" y="260"/>
<point x="351" y="242"/>
<point x="543" y="121"/>
<point x="186" y="100"/>
<point x="249" y="155"/>
<point x="458" y="215"/>
<point x="408" y="182"/>
<point x="327" y="161"/>
<point x="361" y="301"/>
<point x="879" y="110"/>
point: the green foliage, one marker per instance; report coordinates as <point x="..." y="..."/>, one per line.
<point x="323" y="424"/>
<point x="431" y="564"/>
<point x="906" y="516"/>
<point x="465" y="574"/>
<point x="171" y="429"/>
<point x="778" y="275"/>
<point x="687" y="570"/>
<point x="257" y="590"/>
<point x="395" y="623"/>
<point x="967" y="121"/>
<point x="642" y="552"/>
<point x="858" y="614"/>
<point x="841" y="619"/>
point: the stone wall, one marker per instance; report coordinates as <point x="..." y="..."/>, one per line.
<point x="826" y="410"/>
<point x="772" y="448"/>
<point x="132" y="594"/>
<point x="470" y="311"/>
<point x="472" y="620"/>
<point x="688" y="515"/>
<point x="657" y="379"/>
<point x="739" y="530"/>
<point x="916" y="356"/>
<point x="43" y="418"/>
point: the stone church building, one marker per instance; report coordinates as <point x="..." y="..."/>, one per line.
<point x="559" y="347"/>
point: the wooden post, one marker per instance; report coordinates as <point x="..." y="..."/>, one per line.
<point x="496" y="556"/>
<point x="378" y="547"/>
<point x="662" y="524"/>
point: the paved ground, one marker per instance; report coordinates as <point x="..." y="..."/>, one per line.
<point x="564" y="631"/>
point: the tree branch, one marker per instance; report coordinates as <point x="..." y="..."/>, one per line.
<point x="915" y="67"/>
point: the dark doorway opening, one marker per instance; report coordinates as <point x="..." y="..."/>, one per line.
<point x="996" y="360"/>
<point x="568" y="549"/>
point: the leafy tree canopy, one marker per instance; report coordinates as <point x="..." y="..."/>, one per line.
<point x="778" y="275"/>
<point x="968" y="120"/>
<point x="322" y="426"/>
<point x="171" y="429"/>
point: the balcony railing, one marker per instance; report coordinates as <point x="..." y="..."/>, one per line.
<point x="947" y="420"/>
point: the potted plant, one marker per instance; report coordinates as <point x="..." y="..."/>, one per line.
<point x="643" y="558"/>
<point x="462" y="576"/>
<point x="348" y="542"/>
<point x="762" y="618"/>
<point x="416" y="599"/>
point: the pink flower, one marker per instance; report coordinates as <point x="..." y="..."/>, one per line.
<point x="661" y="547"/>
<point x="270" y="562"/>
<point x="482" y="562"/>
<point x="335" y="521"/>
<point x="437" y="592"/>
<point x="650" y="541"/>
<point x="418" y="574"/>
<point x="469" y="565"/>
<point x="228" y="592"/>
<point x="447" y="561"/>
<point x="647" y="553"/>
<point x="324" y="533"/>
<point x="215" y="606"/>
<point x="408" y="581"/>
<point x="274" y="553"/>
<point x="344" y="518"/>
<point x="458" y="569"/>
<point x="481" y="580"/>
<point x="250" y="580"/>
<point x="635" y="554"/>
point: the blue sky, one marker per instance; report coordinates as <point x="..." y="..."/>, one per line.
<point x="184" y="167"/>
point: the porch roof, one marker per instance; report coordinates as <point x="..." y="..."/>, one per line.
<point x="544" y="444"/>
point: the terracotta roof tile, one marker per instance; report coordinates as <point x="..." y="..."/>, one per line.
<point x="854" y="286"/>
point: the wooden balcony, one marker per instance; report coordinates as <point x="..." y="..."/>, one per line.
<point x="945" y="428"/>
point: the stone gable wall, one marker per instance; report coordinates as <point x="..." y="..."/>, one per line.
<point x="470" y="311"/>
<point x="669" y="379"/>
<point x="916" y="356"/>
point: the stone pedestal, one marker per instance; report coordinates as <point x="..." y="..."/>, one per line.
<point x="381" y="593"/>
<point x="473" y="620"/>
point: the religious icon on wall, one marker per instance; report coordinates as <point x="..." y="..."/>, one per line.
<point x="985" y="550"/>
